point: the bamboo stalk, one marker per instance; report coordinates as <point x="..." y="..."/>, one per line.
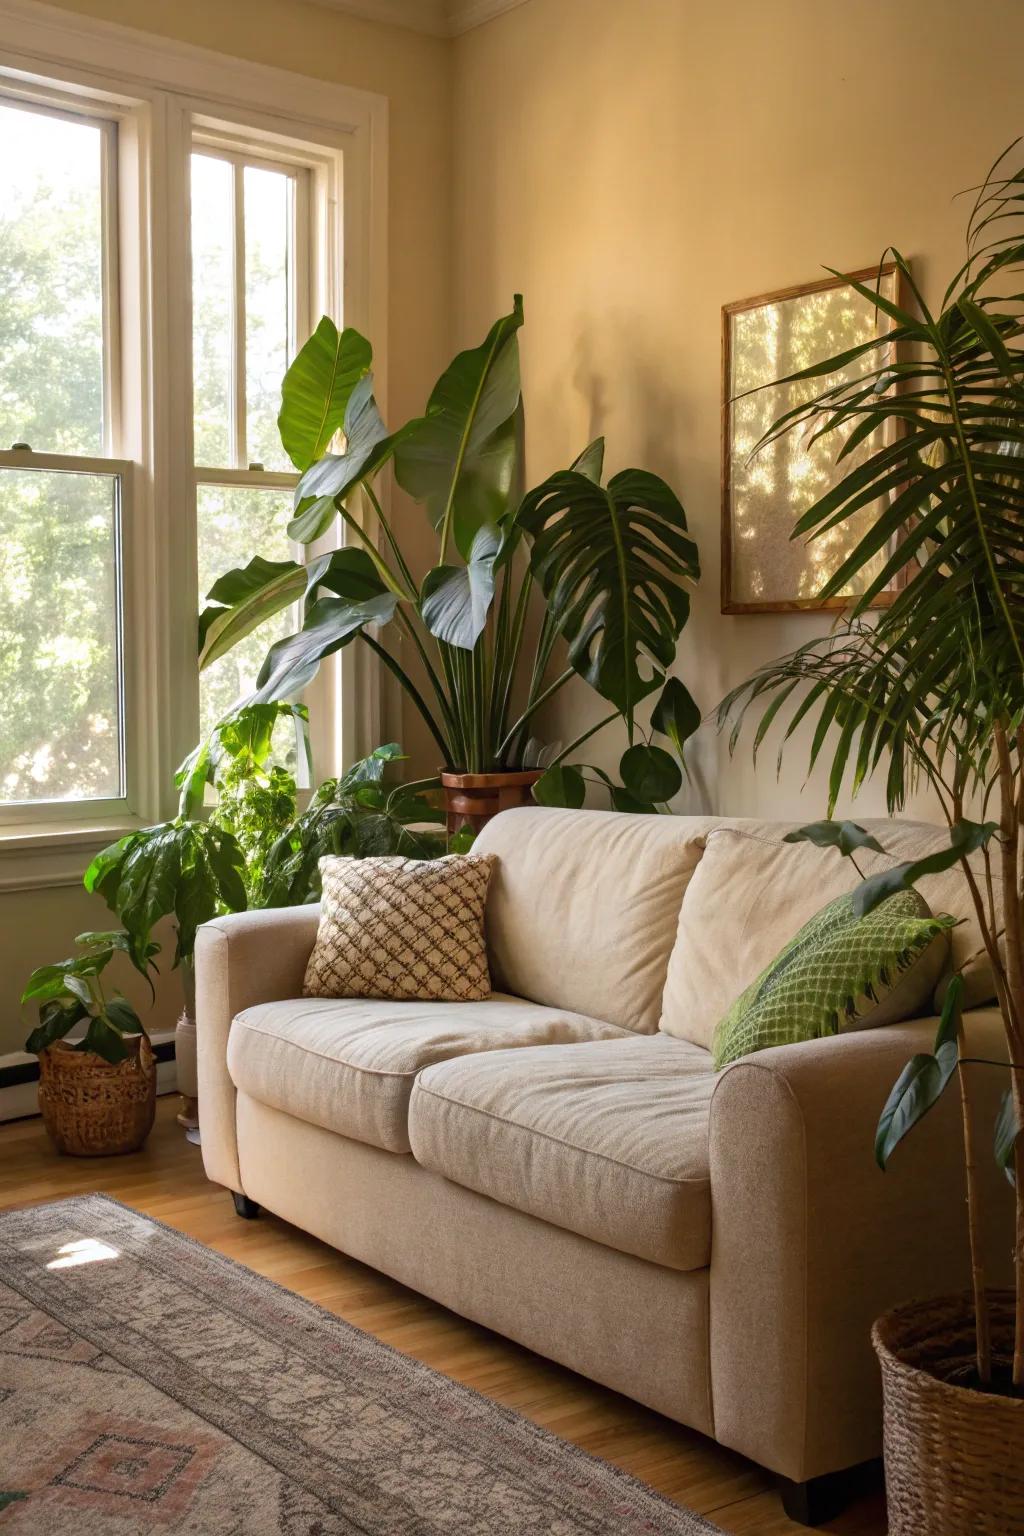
<point x="982" y="1320"/>
<point x="1009" y="845"/>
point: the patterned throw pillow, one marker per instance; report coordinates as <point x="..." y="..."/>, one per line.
<point x="409" y="929"/>
<point x="839" y="973"/>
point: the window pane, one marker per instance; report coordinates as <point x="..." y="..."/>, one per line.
<point x="268" y="227"/>
<point x="60" y="687"/>
<point x="51" y="283"/>
<point x="236" y="523"/>
<point x="212" y="305"/>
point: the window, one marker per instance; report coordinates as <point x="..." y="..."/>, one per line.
<point x="139" y="453"/>
<point x="250" y="285"/>
<point x="63" y="496"/>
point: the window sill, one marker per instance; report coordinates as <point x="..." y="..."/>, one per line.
<point x="38" y="856"/>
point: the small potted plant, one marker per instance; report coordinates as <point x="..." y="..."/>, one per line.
<point x="97" y="1095"/>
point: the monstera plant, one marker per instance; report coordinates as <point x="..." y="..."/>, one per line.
<point x="577" y="579"/>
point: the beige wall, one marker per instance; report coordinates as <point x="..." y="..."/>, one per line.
<point x="633" y="167"/>
<point x="414" y="73"/>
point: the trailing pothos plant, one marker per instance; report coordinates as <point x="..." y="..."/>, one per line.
<point x="253" y="848"/>
<point x="932" y="693"/>
<point x="609" y="563"/>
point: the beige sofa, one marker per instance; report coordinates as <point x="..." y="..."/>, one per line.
<point x="562" y="1164"/>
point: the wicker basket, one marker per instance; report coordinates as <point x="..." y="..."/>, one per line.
<point x="93" y="1109"/>
<point x="954" y="1457"/>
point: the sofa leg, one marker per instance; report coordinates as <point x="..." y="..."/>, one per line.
<point x="822" y="1498"/>
<point x="244" y="1206"/>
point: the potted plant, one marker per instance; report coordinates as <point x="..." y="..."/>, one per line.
<point x="932" y="694"/>
<point x="98" y="1095"/>
<point x="610" y="563"/>
<point x="250" y="847"/>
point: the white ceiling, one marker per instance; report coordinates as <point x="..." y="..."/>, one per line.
<point x="441" y="18"/>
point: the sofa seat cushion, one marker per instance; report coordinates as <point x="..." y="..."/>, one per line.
<point x="608" y="1139"/>
<point x="348" y="1064"/>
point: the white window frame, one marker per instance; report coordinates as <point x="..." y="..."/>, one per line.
<point x="160" y="93"/>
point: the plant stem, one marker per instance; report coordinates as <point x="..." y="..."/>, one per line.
<point x="414" y="694"/>
<point x="542" y="698"/>
<point x="381" y="566"/>
<point x="585" y="737"/>
<point x="392" y="541"/>
<point x="982" y="1322"/>
<point x="410" y="629"/>
<point x="1009" y="844"/>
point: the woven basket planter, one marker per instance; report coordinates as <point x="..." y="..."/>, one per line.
<point x="954" y="1457"/>
<point x="92" y="1108"/>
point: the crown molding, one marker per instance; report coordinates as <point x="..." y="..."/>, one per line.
<point x="437" y="18"/>
<point x="463" y="15"/>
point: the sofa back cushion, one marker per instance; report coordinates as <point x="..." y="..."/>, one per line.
<point x="583" y="907"/>
<point x="752" y="892"/>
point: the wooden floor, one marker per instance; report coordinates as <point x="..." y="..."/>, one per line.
<point x="166" y="1180"/>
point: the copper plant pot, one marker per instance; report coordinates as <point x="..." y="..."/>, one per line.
<point x="471" y="799"/>
<point x="93" y="1108"/>
<point x="954" y="1454"/>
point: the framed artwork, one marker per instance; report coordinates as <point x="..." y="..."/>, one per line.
<point x="763" y="495"/>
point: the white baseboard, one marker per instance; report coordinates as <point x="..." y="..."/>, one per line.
<point x="19" y="1100"/>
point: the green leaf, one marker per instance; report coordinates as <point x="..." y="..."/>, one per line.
<point x="47" y="982"/>
<point x="56" y="1019"/>
<point x="675" y="714"/>
<point x="844" y="835"/>
<point x="333" y="478"/>
<point x="919" y="1086"/>
<point x="105" y="1040"/>
<point x="243" y="599"/>
<point x="456" y="599"/>
<point x="623" y="801"/>
<point x="1008" y="1129"/>
<point x="560" y="785"/>
<point x="591" y="461"/>
<point x="462" y="840"/>
<point x="331" y="623"/>
<point x="966" y="837"/>
<point x="650" y="774"/>
<point x="120" y="1015"/>
<point x="459" y="458"/>
<point x="611" y="562"/>
<point x="316" y="390"/>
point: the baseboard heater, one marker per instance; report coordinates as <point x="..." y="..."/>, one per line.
<point x="19" y="1074"/>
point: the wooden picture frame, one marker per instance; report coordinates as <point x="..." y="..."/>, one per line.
<point x="749" y="583"/>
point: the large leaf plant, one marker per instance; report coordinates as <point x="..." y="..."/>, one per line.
<point x="610" y="564"/>
<point x="931" y="693"/>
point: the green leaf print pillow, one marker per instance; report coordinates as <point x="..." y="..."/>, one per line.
<point x="839" y="973"/>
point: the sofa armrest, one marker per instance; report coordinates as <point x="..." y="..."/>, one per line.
<point x="241" y="960"/>
<point x="811" y="1241"/>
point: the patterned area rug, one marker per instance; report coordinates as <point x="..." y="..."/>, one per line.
<point x="149" y="1385"/>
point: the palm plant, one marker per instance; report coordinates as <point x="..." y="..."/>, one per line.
<point x="933" y="692"/>
<point x="610" y="563"/>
